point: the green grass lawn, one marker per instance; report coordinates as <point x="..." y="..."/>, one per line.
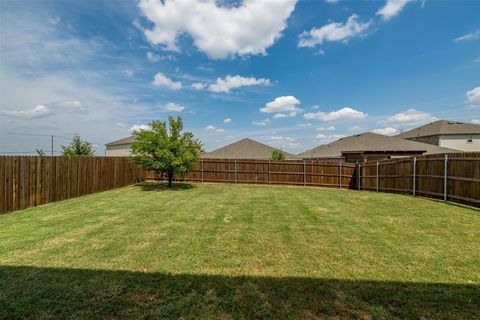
<point x="240" y="251"/>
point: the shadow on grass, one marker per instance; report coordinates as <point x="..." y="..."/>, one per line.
<point x="29" y="292"/>
<point x="163" y="186"/>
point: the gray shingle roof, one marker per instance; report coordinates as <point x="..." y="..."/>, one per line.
<point x="245" y="149"/>
<point x="370" y="142"/>
<point x="127" y="140"/>
<point x="441" y="127"/>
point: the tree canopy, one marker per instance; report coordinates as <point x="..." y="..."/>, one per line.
<point x="77" y="148"/>
<point x="277" y="155"/>
<point x="166" y="151"/>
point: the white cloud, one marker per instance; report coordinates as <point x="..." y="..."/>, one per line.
<point x="138" y="127"/>
<point x="355" y="128"/>
<point x="284" y="141"/>
<point x="476" y="121"/>
<point x="284" y="106"/>
<point x="213" y="128"/>
<point x="55" y="20"/>
<point x="335" y="31"/>
<point x="261" y="123"/>
<point x="199" y="86"/>
<point x="71" y="106"/>
<point x="329" y="128"/>
<point x="279" y="116"/>
<point x="152" y="57"/>
<point x="392" y="8"/>
<point x="473" y="96"/>
<point x="121" y="125"/>
<point x="227" y="120"/>
<point x="410" y="117"/>
<point x="173" y="107"/>
<point x="162" y="81"/>
<point x="232" y="82"/>
<point x="217" y="30"/>
<point x="66" y="73"/>
<point x="304" y="125"/>
<point x="328" y="138"/>
<point x="332" y="1"/>
<point x="475" y="35"/>
<point x="37" y="112"/>
<point x="129" y="72"/>
<point x="342" y="114"/>
<point x="387" y="131"/>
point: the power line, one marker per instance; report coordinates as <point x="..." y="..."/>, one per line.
<point x="38" y="135"/>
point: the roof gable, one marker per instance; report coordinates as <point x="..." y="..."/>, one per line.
<point x="441" y="127"/>
<point x="245" y="149"/>
<point x="370" y="142"/>
<point x="127" y="140"/>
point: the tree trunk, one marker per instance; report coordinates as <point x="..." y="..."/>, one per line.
<point x="170" y="178"/>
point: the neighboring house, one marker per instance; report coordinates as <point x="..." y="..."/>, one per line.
<point x="245" y="149"/>
<point x="369" y="147"/>
<point x="119" y="148"/>
<point x="448" y="134"/>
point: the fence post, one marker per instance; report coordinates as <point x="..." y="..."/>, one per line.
<point x="376" y="180"/>
<point x="414" y="173"/>
<point x="201" y="161"/>
<point x="304" y="174"/>
<point x="359" y="176"/>
<point x="268" y="172"/>
<point x="235" y="164"/>
<point x="340" y="175"/>
<point x="445" y="178"/>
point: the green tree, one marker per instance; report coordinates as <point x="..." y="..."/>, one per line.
<point x="40" y="152"/>
<point x="77" y="148"/>
<point x="169" y="152"/>
<point x="277" y="155"/>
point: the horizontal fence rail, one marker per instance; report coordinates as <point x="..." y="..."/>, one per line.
<point x="302" y="173"/>
<point x="31" y="181"/>
<point x="455" y="177"/>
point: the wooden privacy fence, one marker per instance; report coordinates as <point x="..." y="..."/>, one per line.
<point x="305" y="173"/>
<point x="31" y="181"/>
<point x="452" y="177"/>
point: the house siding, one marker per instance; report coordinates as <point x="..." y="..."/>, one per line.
<point x="120" y="150"/>
<point x="460" y="142"/>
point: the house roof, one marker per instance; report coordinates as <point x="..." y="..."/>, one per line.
<point x="441" y="127"/>
<point x="127" y="140"/>
<point x="245" y="149"/>
<point x="371" y="143"/>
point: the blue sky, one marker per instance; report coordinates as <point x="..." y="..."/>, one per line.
<point x="294" y="74"/>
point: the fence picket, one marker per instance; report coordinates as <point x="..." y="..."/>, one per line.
<point x="31" y="181"/>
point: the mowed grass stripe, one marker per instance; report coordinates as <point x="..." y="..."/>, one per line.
<point x="240" y="251"/>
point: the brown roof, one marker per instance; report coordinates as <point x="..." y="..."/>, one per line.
<point x="441" y="127"/>
<point x="370" y="142"/>
<point x="127" y="140"/>
<point x="245" y="149"/>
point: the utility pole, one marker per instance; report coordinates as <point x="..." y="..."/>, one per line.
<point x="52" y="145"/>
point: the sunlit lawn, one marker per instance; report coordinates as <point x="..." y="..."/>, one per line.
<point x="240" y="251"/>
